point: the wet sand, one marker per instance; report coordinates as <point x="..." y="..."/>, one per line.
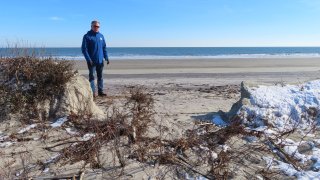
<point x="223" y="71"/>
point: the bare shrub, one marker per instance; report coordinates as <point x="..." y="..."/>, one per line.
<point x="124" y="132"/>
<point x="131" y="122"/>
<point x="27" y="82"/>
<point x="140" y="106"/>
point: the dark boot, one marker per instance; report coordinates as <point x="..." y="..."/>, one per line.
<point x="102" y="94"/>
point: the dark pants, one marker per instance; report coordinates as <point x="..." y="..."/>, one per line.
<point x="92" y="69"/>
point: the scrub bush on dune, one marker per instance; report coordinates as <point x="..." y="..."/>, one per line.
<point x="27" y="81"/>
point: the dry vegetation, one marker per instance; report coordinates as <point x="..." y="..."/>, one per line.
<point x="201" y="151"/>
<point x="26" y="82"/>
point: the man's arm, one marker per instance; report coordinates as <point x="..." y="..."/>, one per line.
<point x="105" y="53"/>
<point x="84" y="49"/>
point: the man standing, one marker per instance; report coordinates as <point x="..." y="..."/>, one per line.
<point x="94" y="50"/>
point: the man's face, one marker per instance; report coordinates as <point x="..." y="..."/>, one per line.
<point x="95" y="27"/>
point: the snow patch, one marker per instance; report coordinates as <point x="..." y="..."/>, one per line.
<point x="27" y="128"/>
<point x="289" y="170"/>
<point x="59" y="122"/>
<point x="52" y="159"/>
<point x="291" y="148"/>
<point x="88" y="136"/>
<point x="3" y="137"/>
<point x="276" y="109"/>
<point x="46" y="170"/>
<point x="5" y="144"/>
<point x="71" y="132"/>
<point x="283" y="108"/>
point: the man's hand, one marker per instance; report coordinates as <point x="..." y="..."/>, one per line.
<point x="108" y="62"/>
<point x="91" y="63"/>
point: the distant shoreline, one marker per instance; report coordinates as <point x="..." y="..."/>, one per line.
<point x="223" y="70"/>
<point x="208" y="65"/>
<point x="143" y="53"/>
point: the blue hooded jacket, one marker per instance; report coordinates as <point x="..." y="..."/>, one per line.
<point x="94" y="47"/>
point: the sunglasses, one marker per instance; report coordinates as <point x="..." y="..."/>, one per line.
<point x="96" y="26"/>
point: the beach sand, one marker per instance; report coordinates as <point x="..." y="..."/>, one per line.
<point x="173" y="66"/>
<point x="222" y="71"/>
<point x="185" y="91"/>
<point x="189" y="75"/>
<point x="190" y="90"/>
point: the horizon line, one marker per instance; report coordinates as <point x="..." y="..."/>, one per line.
<point x="174" y="47"/>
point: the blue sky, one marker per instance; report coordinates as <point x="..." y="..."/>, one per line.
<point x="159" y="23"/>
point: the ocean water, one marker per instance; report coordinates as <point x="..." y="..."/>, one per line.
<point x="118" y="53"/>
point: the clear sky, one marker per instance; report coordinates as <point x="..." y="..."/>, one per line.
<point x="161" y="23"/>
